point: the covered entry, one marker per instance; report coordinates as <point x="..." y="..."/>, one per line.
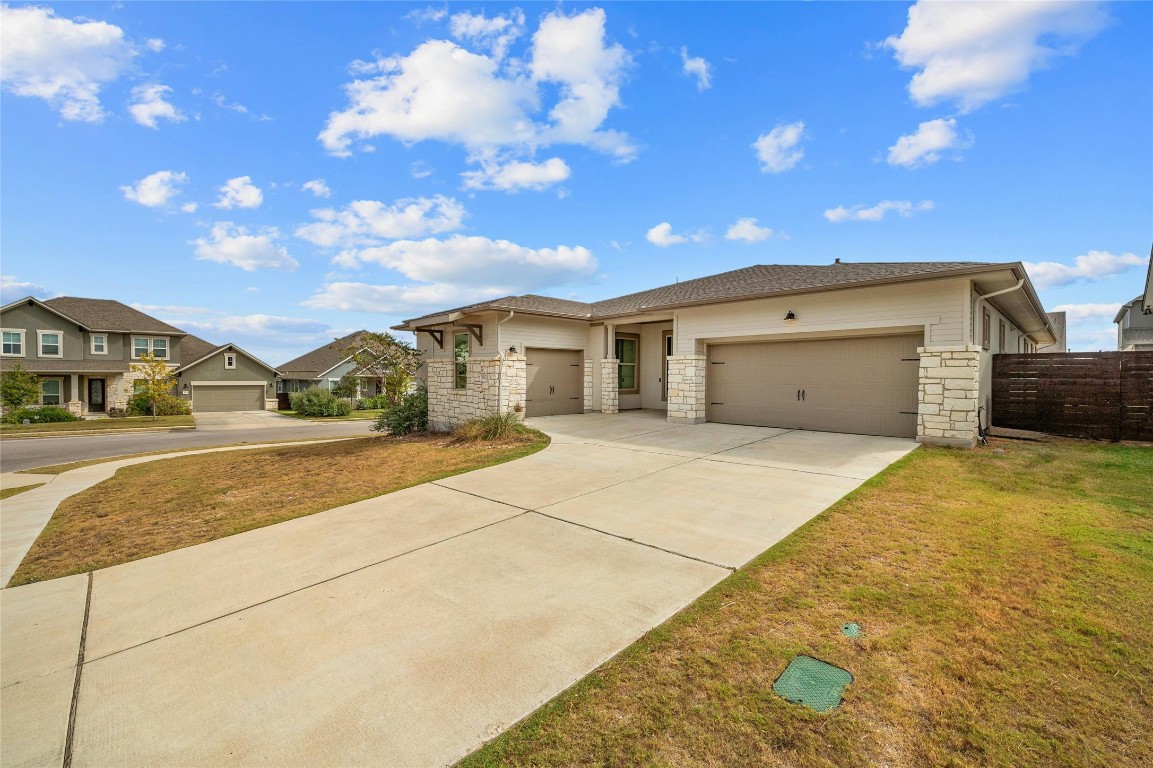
<point x="555" y="381"/>
<point x="232" y="397"/>
<point x="861" y="385"/>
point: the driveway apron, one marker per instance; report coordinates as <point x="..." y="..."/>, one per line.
<point x="408" y="629"/>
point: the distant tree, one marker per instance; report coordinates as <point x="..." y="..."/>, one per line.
<point x="348" y="386"/>
<point x="389" y="362"/>
<point x="18" y="387"/>
<point x="157" y="377"/>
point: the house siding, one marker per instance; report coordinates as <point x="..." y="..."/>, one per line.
<point x="36" y="318"/>
<point x="523" y="331"/>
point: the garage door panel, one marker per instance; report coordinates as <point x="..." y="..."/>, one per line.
<point x="555" y="381"/>
<point x="855" y="385"/>
<point x="228" y="398"/>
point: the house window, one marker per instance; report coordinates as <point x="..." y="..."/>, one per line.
<point x="460" y="355"/>
<point x="50" y="343"/>
<point x="279" y="387"/>
<point x="14" y="343"/>
<point x="138" y="386"/>
<point x="99" y="344"/>
<point x="139" y="347"/>
<point x="51" y="391"/>
<point x="628" y="382"/>
<point x="160" y="348"/>
<point x="986" y="327"/>
<point x="1001" y="336"/>
<point x="142" y="344"/>
<point x="229" y="362"/>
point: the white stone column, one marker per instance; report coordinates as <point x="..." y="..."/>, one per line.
<point x="610" y="395"/>
<point x="74" y="406"/>
<point x="686" y="384"/>
<point x="948" y="389"/>
<point x="588" y="386"/>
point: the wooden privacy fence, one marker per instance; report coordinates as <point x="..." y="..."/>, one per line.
<point x="1099" y="395"/>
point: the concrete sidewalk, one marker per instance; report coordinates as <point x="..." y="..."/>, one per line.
<point x="408" y="629"/>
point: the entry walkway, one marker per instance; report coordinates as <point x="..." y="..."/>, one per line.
<point x="406" y="630"/>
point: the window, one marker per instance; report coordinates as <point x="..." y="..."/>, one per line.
<point x="14" y="343"/>
<point x="1001" y="336"/>
<point x="628" y="383"/>
<point x="986" y="327"/>
<point x="160" y="348"/>
<point x="280" y="386"/>
<point x="139" y="347"/>
<point x="138" y="386"/>
<point x="460" y="355"/>
<point x="51" y="343"/>
<point x="51" y="391"/>
<point x="143" y="344"/>
<point x="99" y="344"/>
<point x="229" y="362"/>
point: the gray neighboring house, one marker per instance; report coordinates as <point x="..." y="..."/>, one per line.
<point x="902" y="349"/>
<point x="82" y="350"/>
<point x="1058" y="321"/>
<point x="1135" y="320"/>
<point x="325" y="366"/>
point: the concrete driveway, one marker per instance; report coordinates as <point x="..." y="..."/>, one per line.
<point x="231" y="420"/>
<point x="406" y="630"/>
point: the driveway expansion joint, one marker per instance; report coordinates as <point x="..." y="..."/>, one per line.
<point x="79" y="671"/>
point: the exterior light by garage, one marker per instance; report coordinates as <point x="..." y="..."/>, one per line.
<point x="512" y="350"/>
<point x="790" y="316"/>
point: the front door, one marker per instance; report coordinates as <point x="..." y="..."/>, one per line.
<point x="96" y="395"/>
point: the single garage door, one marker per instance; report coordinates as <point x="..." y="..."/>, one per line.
<point x="555" y="381"/>
<point x="230" y="398"/>
<point x="864" y="386"/>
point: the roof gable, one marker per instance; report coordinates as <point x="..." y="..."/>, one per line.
<point x="206" y="351"/>
<point x="312" y="364"/>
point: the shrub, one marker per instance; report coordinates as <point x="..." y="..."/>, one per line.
<point x="409" y="416"/>
<point x="496" y="426"/>
<point x="116" y="413"/>
<point x="45" y="414"/>
<point x="315" y="401"/>
<point x="18" y="387"/>
<point x="168" y="405"/>
<point x="372" y="403"/>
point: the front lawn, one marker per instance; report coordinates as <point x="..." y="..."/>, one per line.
<point x="1007" y="606"/>
<point x="90" y="425"/>
<point x="368" y="413"/>
<point x="6" y="492"/>
<point x="159" y="506"/>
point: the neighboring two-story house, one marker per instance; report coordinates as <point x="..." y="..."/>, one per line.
<point x="82" y="350"/>
<point x="1135" y="320"/>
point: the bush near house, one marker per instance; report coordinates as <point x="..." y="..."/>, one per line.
<point x="372" y="403"/>
<point x="409" y="416"/>
<point x="45" y="414"/>
<point x="18" y="387"/>
<point x="315" y="401"/>
<point x="166" y="405"/>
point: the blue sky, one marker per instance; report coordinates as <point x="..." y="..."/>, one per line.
<point x="279" y="174"/>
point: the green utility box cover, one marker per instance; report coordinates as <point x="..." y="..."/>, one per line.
<point x="812" y="682"/>
<point x="851" y="629"/>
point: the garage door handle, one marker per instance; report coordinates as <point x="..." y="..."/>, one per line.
<point x="798" y="395"/>
<point x="802" y="395"/>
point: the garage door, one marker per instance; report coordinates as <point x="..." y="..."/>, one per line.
<point x="864" y="386"/>
<point x="555" y="381"/>
<point x="232" y="398"/>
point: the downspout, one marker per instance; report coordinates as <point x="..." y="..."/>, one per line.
<point x="987" y="296"/>
<point x="500" y="368"/>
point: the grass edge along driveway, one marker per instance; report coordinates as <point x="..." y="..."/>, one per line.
<point x="98" y="425"/>
<point x="1008" y="620"/>
<point x="159" y="506"/>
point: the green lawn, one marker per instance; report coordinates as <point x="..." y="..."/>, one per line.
<point x="91" y="425"/>
<point x="6" y="492"/>
<point x="1007" y="606"/>
<point x="368" y="413"/>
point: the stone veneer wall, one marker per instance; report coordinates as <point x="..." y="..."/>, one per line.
<point x="610" y="395"/>
<point x="686" y="394"/>
<point x="948" y="391"/>
<point x="588" y="386"/>
<point x="488" y="380"/>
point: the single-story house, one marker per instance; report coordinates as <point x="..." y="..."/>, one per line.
<point x="325" y="366"/>
<point x="902" y="349"/>
<point x="82" y="350"/>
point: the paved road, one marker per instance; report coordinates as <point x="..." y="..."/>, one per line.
<point x="27" y="453"/>
<point x="407" y="629"/>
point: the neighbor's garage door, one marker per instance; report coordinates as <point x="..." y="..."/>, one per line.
<point x="864" y="386"/>
<point x="233" y="398"/>
<point x="555" y="381"/>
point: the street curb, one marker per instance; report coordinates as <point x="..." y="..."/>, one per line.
<point x="94" y="432"/>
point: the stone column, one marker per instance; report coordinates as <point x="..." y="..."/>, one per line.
<point x="686" y="384"/>
<point x="588" y="386"/>
<point x="441" y="374"/>
<point x="948" y="389"/>
<point x="74" y="406"/>
<point x="610" y="397"/>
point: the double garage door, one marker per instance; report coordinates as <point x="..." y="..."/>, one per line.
<point x="862" y="386"/>
<point x="555" y="381"/>
<point x="239" y="397"/>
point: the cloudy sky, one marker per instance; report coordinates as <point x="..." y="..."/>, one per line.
<point x="279" y="174"/>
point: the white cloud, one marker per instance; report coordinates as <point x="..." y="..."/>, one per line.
<point x="903" y="208"/>
<point x="426" y="14"/>
<point x="258" y="325"/>
<point x="317" y="187"/>
<point x="443" y="92"/>
<point x="12" y="289"/>
<point x="1092" y="266"/>
<point x="698" y="68"/>
<point x="369" y="222"/>
<point x="1082" y="312"/>
<point x="778" y="150"/>
<point x="64" y="62"/>
<point x="189" y="207"/>
<point x="496" y="33"/>
<point x="1089" y="326"/>
<point x="926" y="145"/>
<point x="157" y="189"/>
<point x="662" y="235"/>
<point x="155" y="44"/>
<point x="220" y="101"/>
<point x="149" y="105"/>
<point x="232" y="244"/>
<point x="514" y="176"/>
<point x="975" y="52"/>
<point x="394" y="299"/>
<point x="420" y="170"/>
<point x="747" y="230"/>
<point x="239" y="193"/>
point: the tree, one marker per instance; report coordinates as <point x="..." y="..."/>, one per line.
<point x="157" y="378"/>
<point x="18" y="387"/>
<point x="391" y="363"/>
<point x="348" y="386"/>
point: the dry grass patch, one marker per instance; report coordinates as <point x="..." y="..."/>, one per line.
<point x="160" y="506"/>
<point x="1008" y="611"/>
<point x="6" y="492"/>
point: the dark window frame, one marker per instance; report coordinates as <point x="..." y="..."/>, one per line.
<point x="636" y="366"/>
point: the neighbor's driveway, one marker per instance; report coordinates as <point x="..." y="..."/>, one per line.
<point x="407" y="629"/>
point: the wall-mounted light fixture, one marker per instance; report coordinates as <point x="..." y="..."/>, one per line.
<point x="512" y="350"/>
<point x="790" y="315"/>
<point x="186" y="389"/>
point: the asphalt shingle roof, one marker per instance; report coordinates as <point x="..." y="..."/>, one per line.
<point x="110" y="315"/>
<point x="312" y="364"/>
<point x="66" y="366"/>
<point x="193" y="348"/>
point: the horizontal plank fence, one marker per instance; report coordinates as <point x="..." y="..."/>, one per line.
<point x="1098" y="395"/>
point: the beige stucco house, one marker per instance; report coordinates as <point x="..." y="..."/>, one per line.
<point x="902" y="349"/>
